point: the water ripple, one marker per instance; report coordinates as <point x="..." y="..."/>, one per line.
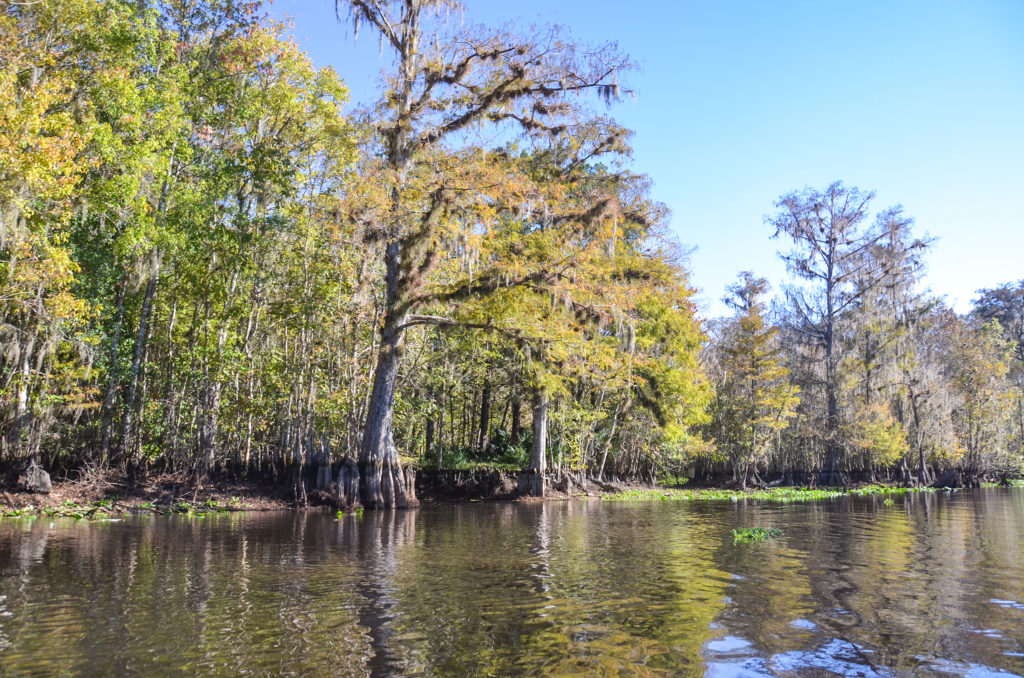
<point x="930" y="586"/>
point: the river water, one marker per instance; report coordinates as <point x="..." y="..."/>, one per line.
<point x="932" y="584"/>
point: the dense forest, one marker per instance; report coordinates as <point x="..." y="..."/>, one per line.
<point x="210" y="264"/>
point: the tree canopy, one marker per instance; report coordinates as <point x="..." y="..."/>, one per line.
<point x="209" y="265"/>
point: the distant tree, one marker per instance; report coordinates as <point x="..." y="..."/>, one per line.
<point x="876" y="342"/>
<point x="755" y="398"/>
<point x="1005" y="305"/>
<point x="977" y="363"/>
<point x="833" y="257"/>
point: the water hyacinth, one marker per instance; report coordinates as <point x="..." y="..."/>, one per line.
<point x="748" y="535"/>
<point x="777" y="494"/>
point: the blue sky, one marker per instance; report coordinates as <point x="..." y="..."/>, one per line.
<point x="740" y="102"/>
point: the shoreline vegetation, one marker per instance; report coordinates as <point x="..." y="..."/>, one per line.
<point x="212" y="267"/>
<point x="92" y="500"/>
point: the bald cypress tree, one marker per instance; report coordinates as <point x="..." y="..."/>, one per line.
<point x="446" y="82"/>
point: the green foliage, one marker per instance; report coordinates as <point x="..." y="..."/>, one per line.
<point x="754" y="399"/>
<point x="749" y="535"/>
<point x="195" y="273"/>
<point x="775" y="494"/>
<point x="23" y="512"/>
<point x="878" y="434"/>
<point x="508" y="452"/>
<point x="779" y="494"/>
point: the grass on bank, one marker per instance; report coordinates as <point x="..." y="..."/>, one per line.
<point x="1012" y="482"/>
<point x="100" y="510"/>
<point x="106" y="509"/>
<point x="779" y="494"/>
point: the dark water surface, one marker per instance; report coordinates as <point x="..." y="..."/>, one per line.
<point x="931" y="585"/>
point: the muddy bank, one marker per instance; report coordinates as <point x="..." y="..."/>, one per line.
<point x="175" y="492"/>
<point x="162" y="493"/>
<point x="483" y="484"/>
<point x="111" y="492"/>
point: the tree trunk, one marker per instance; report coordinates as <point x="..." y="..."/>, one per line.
<point x="347" y="484"/>
<point x="22" y="413"/>
<point x="833" y="474"/>
<point x="112" y="381"/>
<point x="922" y="467"/>
<point x="439" y="444"/>
<point x="517" y="413"/>
<point x="532" y="481"/>
<point x="608" y="443"/>
<point x="209" y="424"/>
<point x="383" y="483"/>
<point x="485" y="416"/>
<point x="133" y="383"/>
<point x="428" y="446"/>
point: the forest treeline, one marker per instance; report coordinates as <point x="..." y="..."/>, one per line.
<point x="212" y="264"/>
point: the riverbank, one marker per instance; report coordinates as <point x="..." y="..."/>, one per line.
<point x="95" y="496"/>
<point x="110" y="493"/>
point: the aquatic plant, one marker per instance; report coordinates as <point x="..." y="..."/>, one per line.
<point x="212" y="505"/>
<point x="886" y="489"/>
<point x="1010" y="482"/>
<point x="748" y="535"/>
<point x="70" y="509"/>
<point x="24" y="512"/>
<point x="778" y="494"/>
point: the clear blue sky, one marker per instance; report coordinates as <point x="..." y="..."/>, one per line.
<point x="740" y="102"/>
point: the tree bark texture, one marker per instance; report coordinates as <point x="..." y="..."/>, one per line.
<point x="383" y="482"/>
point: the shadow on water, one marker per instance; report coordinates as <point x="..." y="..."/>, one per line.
<point x="932" y="584"/>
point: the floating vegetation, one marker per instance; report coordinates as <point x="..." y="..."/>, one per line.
<point x="105" y="509"/>
<point x="69" y="509"/>
<point x="24" y="512"/>
<point x="749" y="535"/>
<point x="1010" y="482"/>
<point x="779" y="494"/>
<point x="887" y="489"/>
